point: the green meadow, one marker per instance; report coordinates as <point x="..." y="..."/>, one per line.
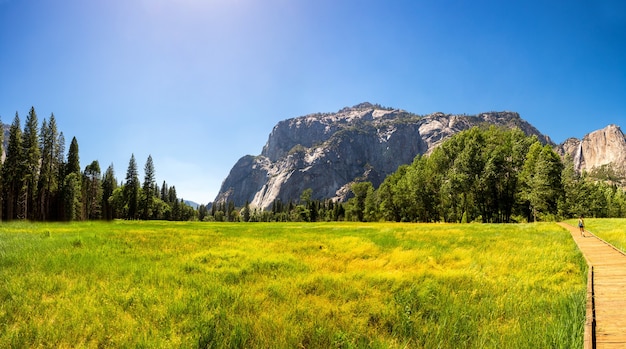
<point x="291" y="285"/>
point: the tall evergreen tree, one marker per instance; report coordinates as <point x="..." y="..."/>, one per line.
<point x="92" y="191"/>
<point x="156" y="191"/>
<point x="42" y="193"/>
<point x="31" y="158"/>
<point x="131" y="189"/>
<point x="57" y="202"/>
<point x="72" y="187"/>
<point x="12" y="172"/>
<point x="202" y="212"/>
<point x="148" y="188"/>
<point x="73" y="162"/>
<point x="171" y="194"/>
<point x="48" y="185"/>
<point x="109" y="184"/>
<point x="172" y="201"/>
<point x="164" y="192"/>
<point x="72" y="197"/>
<point x="176" y="211"/>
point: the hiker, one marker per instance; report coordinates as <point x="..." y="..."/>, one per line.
<point x="581" y="226"/>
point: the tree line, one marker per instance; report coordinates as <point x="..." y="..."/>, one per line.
<point x="479" y="175"/>
<point x="39" y="182"/>
<point x="491" y="175"/>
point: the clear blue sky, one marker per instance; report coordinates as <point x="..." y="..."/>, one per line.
<point x="199" y="83"/>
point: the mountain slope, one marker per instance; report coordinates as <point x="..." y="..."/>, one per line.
<point x="327" y="152"/>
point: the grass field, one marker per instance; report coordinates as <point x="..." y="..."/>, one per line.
<point x="331" y="285"/>
<point x="611" y="230"/>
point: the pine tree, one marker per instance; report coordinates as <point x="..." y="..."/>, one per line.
<point x="164" y="192"/>
<point x="176" y="211"/>
<point x="109" y="184"/>
<point x="48" y="177"/>
<point x="156" y="192"/>
<point x="92" y="190"/>
<point x="12" y="173"/>
<point x="72" y="196"/>
<point x="171" y="195"/>
<point x="148" y="188"/>
<point x="203" y="212"/>
<point x="131" y="189"/>
<point x="57" y="202"/>
<point x="73" y="162"/>
<point x="72" y="187"/>
<point x="31" y="158"/>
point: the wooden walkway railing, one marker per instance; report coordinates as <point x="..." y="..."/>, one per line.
<point x="606" y="291"/>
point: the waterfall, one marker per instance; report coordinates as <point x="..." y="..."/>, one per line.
<point x="578" y="158"/>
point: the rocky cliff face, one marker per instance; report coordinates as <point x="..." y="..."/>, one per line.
<point x="605" y="147"/>
<point x="327" y="152"/>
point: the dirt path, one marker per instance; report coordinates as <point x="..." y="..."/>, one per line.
<point x="606" y="291"/>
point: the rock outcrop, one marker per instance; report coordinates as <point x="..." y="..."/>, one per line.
<point x="328" y="152"/>
<point x="605" y="147"/>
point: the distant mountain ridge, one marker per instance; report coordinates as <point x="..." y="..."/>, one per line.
<point x="327" y="152"/>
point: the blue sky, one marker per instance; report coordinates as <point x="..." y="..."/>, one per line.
<point x="199" y="83"/>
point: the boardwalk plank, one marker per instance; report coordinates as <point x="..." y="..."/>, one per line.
<point x="609" y="281"/>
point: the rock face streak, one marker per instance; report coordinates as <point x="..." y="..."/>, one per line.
<point x="327" y="152"/>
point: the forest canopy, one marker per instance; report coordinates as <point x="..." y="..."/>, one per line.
<point x="38" y="181"/>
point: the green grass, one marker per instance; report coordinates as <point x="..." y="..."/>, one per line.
<point x="612" y="230"/>
<point x="330" y="285"/>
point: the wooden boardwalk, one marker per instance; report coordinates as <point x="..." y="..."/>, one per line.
<point x="606" y="291"/>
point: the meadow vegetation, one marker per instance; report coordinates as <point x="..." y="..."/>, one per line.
<point x="290" y="285"/>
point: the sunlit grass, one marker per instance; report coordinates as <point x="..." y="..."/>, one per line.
<point x="341" y="285"/>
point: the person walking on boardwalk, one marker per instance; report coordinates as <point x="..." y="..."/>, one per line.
<point x="581" y="226"/>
